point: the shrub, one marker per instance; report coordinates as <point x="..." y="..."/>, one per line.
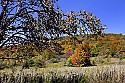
<point x="31" y="62"/>
<point x="40" y="63"/>
<point x="25" y="65"/>
<point x="82" y="55"/>
<point x="47" y="54"/>
<point x="69" y="62"/>
<point x="53" y="60"/>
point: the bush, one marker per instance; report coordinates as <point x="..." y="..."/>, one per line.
<point x="31" y="62"/>
<point x="81" y="56"/>
<point x="40" y="64"/>
<point x="69" y="62"/>
<point x="54" y="60"/>
<point x="25" y="65"/>
<point x="2" y="66"/>
<point x="47" y="54"/>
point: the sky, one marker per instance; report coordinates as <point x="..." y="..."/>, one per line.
<point x="111" y="12"/>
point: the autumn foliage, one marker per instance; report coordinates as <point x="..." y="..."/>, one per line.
<point x="107" y="45"/>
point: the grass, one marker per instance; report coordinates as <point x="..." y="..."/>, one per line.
<point x="55" y="65"/>
<point x="112" y="61"/>
<point x="107" y="61"/>
<point x="96" y="74"/>
<point x="107" y="72"/>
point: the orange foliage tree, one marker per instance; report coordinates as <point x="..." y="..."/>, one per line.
<point x="82" y="54"/>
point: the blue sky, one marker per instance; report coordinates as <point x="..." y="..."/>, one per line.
<point x="111" y="12"/>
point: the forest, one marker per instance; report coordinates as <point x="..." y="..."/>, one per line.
<point x="39" y="43"/>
